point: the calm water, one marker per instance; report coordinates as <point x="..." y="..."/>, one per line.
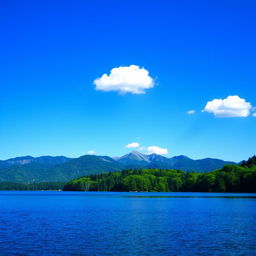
<point x="70" y="223"/>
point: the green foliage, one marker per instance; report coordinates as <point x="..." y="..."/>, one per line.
<point x="231" y="178"/>
<point x="32" y="186"/>
<point x="250" y="162"/>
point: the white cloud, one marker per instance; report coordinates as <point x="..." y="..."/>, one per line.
<point x="253" y="111"/>
<point x="91" y="152"/>
<point x="232" y="106"/>
<point x="131" y="79"/>
<point x="133" y="145"/>
<point x="157" y="150"/>
<point x="191" y="112"/>
<point x="141" y="148"/>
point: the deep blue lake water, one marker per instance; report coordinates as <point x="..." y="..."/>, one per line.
<point x="134" y="224"/>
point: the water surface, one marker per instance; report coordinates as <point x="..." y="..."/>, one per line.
<point x="95" y="223"/>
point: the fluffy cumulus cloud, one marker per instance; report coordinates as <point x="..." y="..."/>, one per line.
<point x="157" y="150"/>
<point x="133" y="145"/>
<point x="131" y="79"/>
<point x="191" y="112"/>
<point x="232" y="106"/>
<point x="91" y="152"/>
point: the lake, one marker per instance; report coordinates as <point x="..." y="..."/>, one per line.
<point x="134" y="224"/>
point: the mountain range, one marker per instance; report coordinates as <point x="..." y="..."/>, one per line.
<point x="29" y="169"/>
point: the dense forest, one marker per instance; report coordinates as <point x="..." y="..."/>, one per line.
<point x="32" y="186"/>
<point x="250" y="162"/>
<point x="230" y="178"/>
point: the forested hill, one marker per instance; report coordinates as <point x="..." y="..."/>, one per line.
<point x="250" y="162"/>
<point x="231" y="178"/>
<point x="32" y="186"/>
<point x="55" y="169"/>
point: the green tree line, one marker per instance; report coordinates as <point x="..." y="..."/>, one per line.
<point x="32" y="186"/>
<point x="231" y="178"/>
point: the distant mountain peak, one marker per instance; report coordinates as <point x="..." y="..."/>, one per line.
<point x="156" y="157"/>
<point x="134" y="152"/>
<point x="181" y="157"/>
<point x="133" y="158"/>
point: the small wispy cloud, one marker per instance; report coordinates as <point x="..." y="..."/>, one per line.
<point x="91" y="152"/>
<point x="253" y="111"/>
<point x="191" y="112"/>
<point x="133" y="145"/>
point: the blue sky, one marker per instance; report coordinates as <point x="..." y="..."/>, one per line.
<point x="195" y="52"/>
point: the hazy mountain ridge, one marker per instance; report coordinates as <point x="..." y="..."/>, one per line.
<point x="45" y="160"/>
<point x="59" y="168"/>
<point x="181" y="162"/>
